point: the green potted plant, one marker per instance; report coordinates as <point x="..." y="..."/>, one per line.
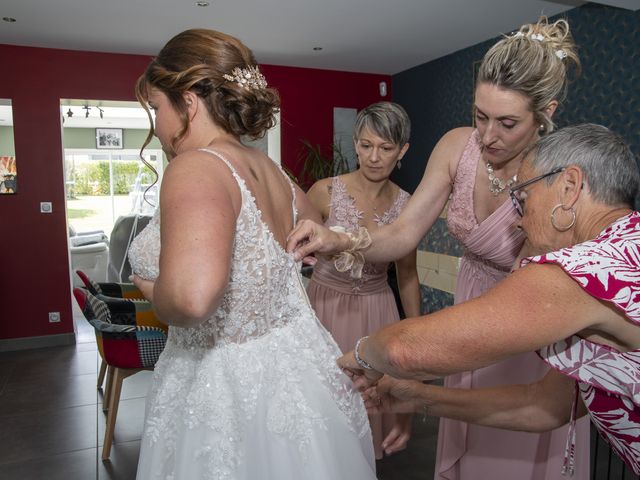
<point x="316" y="165"/>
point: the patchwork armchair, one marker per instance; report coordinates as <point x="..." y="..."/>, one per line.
<point x="130" y="339"/>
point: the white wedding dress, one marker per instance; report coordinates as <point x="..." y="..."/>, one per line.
<point x="254" y="392"/>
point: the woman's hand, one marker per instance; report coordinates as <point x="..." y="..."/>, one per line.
<point x="145" y="286"/>
<point x="399" y="435"/>
<point x="362" y="379"/>
<point x="309" y="237"/>
<point x="391" y="395"/>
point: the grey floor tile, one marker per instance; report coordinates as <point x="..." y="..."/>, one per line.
<point x="76" y="465"/>
<point x="129" y="422"/>
<point x="24" y="395"/>
<point x="137" y="385"/>
<point x="6" y="370"/>
<point x="87" y="346"/>
<point x="58" y="362"/>
<point x="122" y="463"/>
<point x="38" y="435"/>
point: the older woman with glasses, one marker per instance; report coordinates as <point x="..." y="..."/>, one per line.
<point x="577" y="302"/>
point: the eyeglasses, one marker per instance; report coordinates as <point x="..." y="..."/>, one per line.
<point x="515" y="191"/>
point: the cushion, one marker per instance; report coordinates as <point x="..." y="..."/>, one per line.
<point x="110" y="289"/>
<point x="122" y="341"/>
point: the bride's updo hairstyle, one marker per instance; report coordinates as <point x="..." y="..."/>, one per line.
<point x="222" y="71"/>
<point x="534" y="61"/>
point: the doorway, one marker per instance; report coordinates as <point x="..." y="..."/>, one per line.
<point x="105" y="180"/>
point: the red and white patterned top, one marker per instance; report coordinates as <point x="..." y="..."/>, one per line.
<point x="607" y="268"/>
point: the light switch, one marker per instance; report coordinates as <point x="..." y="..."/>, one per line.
<point x="46" y="207"/>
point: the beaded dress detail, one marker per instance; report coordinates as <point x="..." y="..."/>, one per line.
<point x="254" y="391"/>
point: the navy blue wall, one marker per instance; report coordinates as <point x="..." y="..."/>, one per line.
<point x="438" y="95"/>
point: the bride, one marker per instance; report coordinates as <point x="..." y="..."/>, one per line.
<point x="247" y="386"/>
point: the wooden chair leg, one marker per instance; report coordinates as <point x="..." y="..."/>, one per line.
<point x="119" y="374"/>
<point x="108" y="388"/>
<point x="103" y="371"/>
<point x="114" y="400"/>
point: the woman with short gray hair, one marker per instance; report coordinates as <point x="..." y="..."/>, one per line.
<point x="352" y="305"/>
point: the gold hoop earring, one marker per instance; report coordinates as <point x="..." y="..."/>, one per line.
<point x="553" y="217"/>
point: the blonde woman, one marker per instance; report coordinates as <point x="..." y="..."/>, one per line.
<point x="521" y="81"/>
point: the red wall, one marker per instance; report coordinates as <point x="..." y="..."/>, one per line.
<point x="34" y="274"/>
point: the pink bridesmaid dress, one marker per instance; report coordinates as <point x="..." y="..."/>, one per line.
<point x="352" y="308"/>
<point x="465" y="451"/>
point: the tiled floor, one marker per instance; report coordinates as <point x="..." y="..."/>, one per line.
<point x="51" y="419"/>
<point x="52" y="423"/>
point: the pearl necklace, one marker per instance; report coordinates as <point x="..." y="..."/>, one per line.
<point x="497" y="186"/>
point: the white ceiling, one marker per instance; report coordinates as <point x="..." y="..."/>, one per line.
<point x="371" y="36"/>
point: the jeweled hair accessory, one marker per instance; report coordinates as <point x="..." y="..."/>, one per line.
<point x="248" y="77"/>
<point x="560" y="53"/>
<point x="534" y="36"/>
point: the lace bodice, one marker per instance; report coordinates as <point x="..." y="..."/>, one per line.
<point x="493" y="244"/>
<point x="461" y="218"/>
<point x="344" y="212"/>
<point x="256" y="384"/>
<point x="256" y="267"/>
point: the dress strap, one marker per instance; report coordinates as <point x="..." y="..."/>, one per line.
<point x="215" y="153"/>
<point x="293" y="190"/>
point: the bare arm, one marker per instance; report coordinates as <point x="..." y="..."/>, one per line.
<point x="425" y="205"/>
<point x="403" y="235"/>
<point x="320" y="198"/>
<point x="537" y="407"/>
<point x="307" y="209"/>
<point x="200" y="202"/>
<point x="533" y="307"/>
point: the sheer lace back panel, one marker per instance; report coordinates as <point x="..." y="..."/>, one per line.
<point x="263" y="290"/>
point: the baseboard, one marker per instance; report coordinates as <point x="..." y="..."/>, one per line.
<point x="44" y="341"/>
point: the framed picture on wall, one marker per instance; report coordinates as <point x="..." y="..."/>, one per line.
<point x="109" y="138"/>
<point x="8" y="175"/>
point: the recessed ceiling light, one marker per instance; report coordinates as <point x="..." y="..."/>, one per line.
<point x="9" y="19"/>
<point x="202" y="3"/>
<point x="317" y="49"/>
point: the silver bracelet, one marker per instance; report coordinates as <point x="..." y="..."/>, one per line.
<point x="425" y="413"/>
<point x="359" y="359"/>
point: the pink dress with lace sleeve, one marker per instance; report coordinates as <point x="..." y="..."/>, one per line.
<point x="607" y="268"/>
<point x="351" y="308"/>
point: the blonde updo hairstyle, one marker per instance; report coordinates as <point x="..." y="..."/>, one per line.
<point x="534" y="61"/>
<point x="196" y="60"/>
